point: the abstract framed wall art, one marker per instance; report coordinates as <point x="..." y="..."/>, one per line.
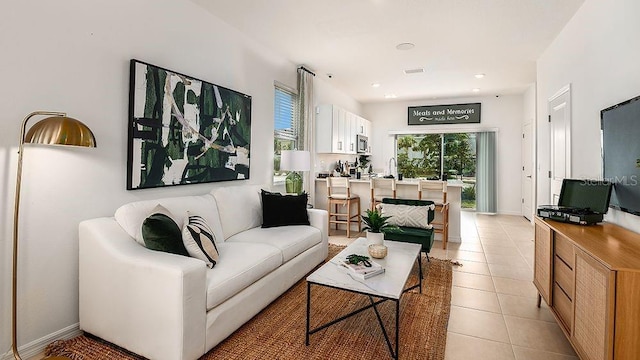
<point x="184" y="131"/>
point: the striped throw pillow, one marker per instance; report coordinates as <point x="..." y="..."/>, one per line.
<point x="407" y="215"/>
<point x="199" y="240"/>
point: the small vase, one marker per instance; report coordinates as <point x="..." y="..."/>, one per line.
<point x="375" y="238"/>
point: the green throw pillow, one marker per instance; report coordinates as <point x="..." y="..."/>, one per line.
<point x="161" y="233"/>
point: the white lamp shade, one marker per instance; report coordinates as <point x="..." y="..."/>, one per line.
<point x="295" y="160"/>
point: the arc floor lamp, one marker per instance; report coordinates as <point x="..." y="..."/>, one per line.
<point x="56" y="129"/>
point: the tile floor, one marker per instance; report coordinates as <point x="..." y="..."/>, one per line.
<point x="493" y="300"/>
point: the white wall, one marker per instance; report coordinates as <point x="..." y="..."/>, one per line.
<point x="598" y="54"/>
<point x="73" y="56"/>
<point x="529" y="116"/>
<point x="503" y="113"/>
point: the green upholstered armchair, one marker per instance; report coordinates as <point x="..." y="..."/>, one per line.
<point x="411" y="234"/>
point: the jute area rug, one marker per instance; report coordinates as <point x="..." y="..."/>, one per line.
<point x="278" y="332"/>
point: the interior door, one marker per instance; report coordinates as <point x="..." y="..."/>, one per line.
<point x="560" y="125"/>
<point x="527" y="170"/>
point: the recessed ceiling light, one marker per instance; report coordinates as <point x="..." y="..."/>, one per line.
<point x="405" y="46"/>
<point x="479" y="76"/>
<point x="413" y="71"/>
<point x="475" y="90"/>
<point x="375" y="85"/>
<point x="390" y="96"/>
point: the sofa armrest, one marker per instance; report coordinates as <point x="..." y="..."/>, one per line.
<point x="150" y="302"/>
<point x="320" y="219"/>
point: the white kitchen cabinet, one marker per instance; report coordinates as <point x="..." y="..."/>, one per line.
<point x="363" y="126"/>
<point x="336" y="130"/>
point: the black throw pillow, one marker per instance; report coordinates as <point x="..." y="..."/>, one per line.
<point x="161" y="233"/>
<point x="282" y="210"/>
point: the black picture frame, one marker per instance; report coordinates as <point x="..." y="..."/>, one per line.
<point x="183" y="130"/>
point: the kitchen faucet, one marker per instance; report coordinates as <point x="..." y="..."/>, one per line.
<point x="395" y="166"/>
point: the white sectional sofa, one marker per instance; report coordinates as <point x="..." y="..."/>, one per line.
<point x="166" y="306"/>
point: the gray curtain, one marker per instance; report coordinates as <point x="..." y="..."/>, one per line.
<point x="486" y="179"/>
<point x="307" y="124"/>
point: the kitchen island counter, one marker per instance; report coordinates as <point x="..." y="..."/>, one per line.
<point x="405" y="189"/>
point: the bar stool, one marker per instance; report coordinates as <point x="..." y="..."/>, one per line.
<point x="436" y="191"/>
<point x="381" y="188"/>
<point x="339" y="194"/>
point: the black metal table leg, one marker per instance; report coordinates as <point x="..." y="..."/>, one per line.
<point x="397" y="355"/>
<point x="420" y="275"/>
<point x="308" y="312"/>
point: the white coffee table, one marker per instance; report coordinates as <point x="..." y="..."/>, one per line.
<point x="390" y="285"/>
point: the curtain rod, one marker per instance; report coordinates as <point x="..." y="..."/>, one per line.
<point x="307" y="70"/>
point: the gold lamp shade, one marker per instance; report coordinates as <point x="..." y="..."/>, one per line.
<point x="60" y="130"/>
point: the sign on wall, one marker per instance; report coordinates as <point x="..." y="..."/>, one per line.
<point x="444" y="114"/>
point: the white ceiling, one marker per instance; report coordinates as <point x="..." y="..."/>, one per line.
<point x="355" y="41"/>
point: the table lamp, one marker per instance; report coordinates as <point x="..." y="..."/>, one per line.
<point x="294" y="161"/>
<point x="56" y="129"/>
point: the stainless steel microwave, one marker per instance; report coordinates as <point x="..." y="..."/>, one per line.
<point x="363" y="144"/>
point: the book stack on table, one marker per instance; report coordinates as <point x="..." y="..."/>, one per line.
<point x="362" y="272"/>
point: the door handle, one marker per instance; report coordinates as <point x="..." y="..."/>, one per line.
<point x="529" y="176"/>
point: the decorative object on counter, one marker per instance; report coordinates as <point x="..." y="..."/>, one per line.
<point x="183" y="130"/>
<point x="377" y="251"/>
<point x="363" y="161"/>
<point x="56" y="129"/>
<point x="374" y="224"/>
<point x="294" y="161"/>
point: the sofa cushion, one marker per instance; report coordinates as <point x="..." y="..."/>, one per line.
<point x="407" y="215"/>
<point x="160" y="232"/>
<point x="240" y="208"/>
<point x="241" y="264"/>
<point x="291" y="240"/>
<point x="284" y="210"/>
<point x="199" y="240"/>
<point x="130" y="216"/>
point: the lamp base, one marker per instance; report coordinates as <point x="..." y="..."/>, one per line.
<point x="293" y="183"/>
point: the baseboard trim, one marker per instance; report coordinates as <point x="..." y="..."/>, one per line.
<point x="37" y="346"/>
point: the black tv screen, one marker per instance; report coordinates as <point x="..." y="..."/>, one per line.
<point x="620" y="126"/>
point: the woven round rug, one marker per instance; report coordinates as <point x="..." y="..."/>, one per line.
<point x="278" y="331"/>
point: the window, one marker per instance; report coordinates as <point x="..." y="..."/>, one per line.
<point x="429" y="156"/>
<point x="285" y="135"/>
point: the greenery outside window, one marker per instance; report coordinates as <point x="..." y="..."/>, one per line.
<point x="286" y="127"/>
<point x="429" y="156"/>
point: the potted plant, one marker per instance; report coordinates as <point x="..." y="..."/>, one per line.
<point x="374" y="224"/>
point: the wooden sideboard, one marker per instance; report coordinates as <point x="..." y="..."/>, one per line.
<point x="590" y="278"/>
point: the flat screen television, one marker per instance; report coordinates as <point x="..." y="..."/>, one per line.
<point x="620" y="125"/>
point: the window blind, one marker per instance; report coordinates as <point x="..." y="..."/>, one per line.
<point x="284" y="111"/>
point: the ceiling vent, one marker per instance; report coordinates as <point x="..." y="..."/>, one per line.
<point x="414" y="71"/>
